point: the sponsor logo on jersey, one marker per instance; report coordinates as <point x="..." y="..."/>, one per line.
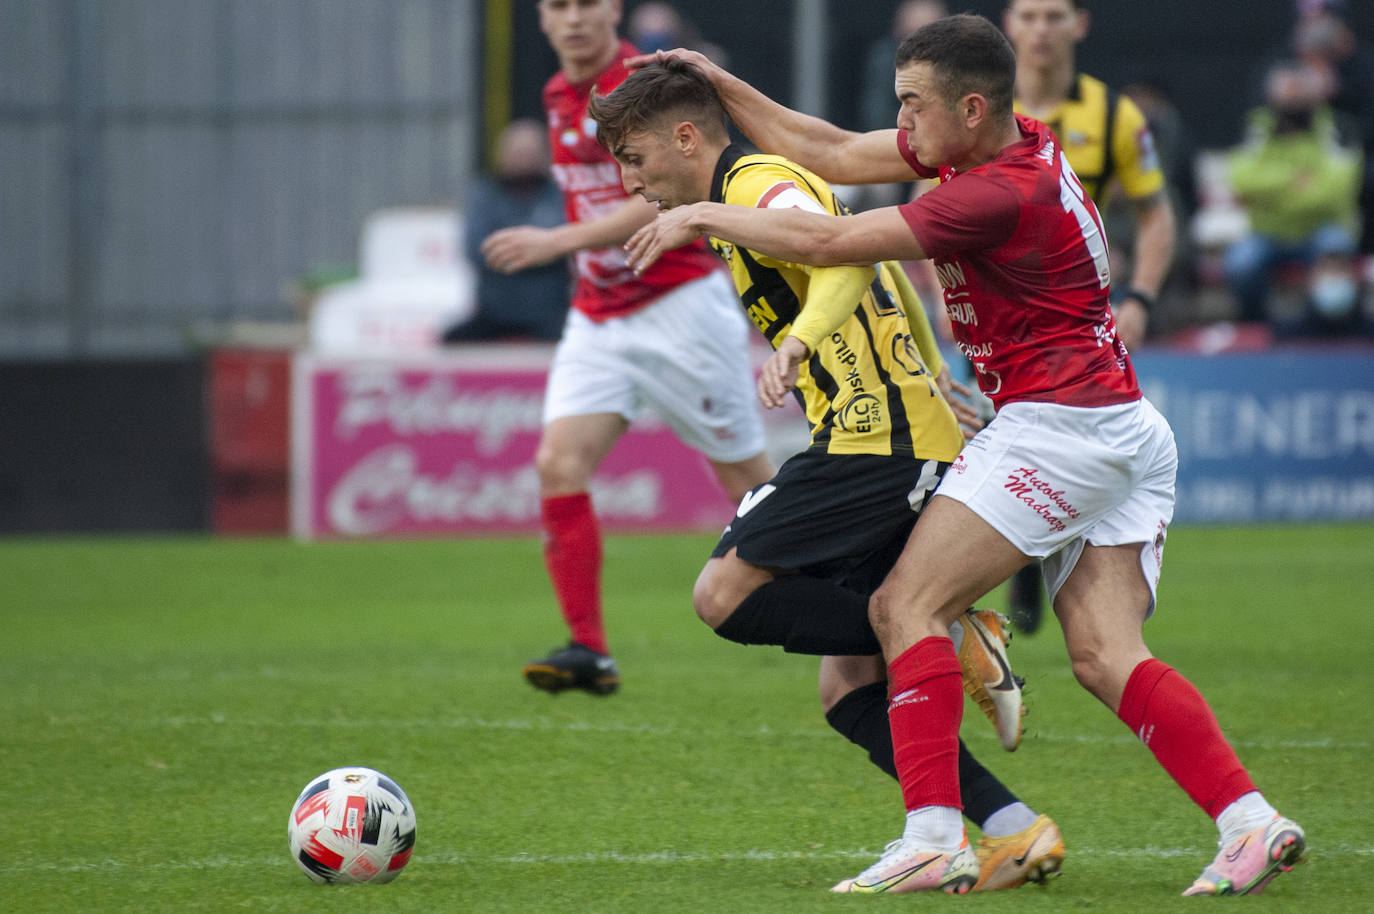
<point x="760" y="313"/>
<point x="848" y="357"/>
<point x="905" y="354"/>
<point x="860" y="414"/>
<point x="951" y="274"/>
<point x="961" y="312"/>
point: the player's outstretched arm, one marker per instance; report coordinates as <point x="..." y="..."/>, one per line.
<point x="785" y="234"/>
<point x="839" y="156"/>
<point x="521" y="247"/>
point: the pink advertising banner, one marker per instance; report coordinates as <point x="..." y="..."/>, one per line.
<point x="443" y="445"/>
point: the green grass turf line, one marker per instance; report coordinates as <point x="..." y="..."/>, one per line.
<point x="164" y="699"/>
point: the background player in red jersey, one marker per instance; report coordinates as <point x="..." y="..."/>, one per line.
<point x="1077" y="468"/>
<point x="672" y="339"/>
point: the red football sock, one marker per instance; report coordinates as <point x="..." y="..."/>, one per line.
<point x="1171" y="717"/>
<point x="572" y="553"/>
<point x="927" y="704"/>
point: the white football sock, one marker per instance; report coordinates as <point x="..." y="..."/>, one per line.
<point x="934" y="827"/>
<point x="956" y="634"/>
<point x="1009" y="820"/>
<point x="1248" y="812"/>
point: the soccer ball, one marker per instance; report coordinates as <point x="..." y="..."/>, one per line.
<point x="351" y="825"/>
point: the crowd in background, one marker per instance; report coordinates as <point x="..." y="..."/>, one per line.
<point x="1289" y="251"/>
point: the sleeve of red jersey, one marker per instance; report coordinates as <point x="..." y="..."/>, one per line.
<point x="972" y="212"/>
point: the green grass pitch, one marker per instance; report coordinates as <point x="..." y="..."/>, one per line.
<point x="164" y="700"/>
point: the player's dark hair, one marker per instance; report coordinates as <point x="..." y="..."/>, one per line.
<point x="670" y="90"/>
<point x="968" y="55"/>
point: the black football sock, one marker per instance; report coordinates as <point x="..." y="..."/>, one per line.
<point x="979" y="790"/>
<point x="804" y="615"/>
<point x="861" y="718"/>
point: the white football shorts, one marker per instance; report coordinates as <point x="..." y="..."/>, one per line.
<point x="1050" y="478"/>
<point x="685" y="356"/>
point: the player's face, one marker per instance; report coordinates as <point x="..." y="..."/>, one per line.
<point x="581" y="31"/>
<point x="653" y="166"/>
<point x="937" y="135"/>
<point x="1044" y="32"/>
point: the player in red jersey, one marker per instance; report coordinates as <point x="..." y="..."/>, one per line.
<point x="672" y="339"/>
<point x="1077" y="468"/>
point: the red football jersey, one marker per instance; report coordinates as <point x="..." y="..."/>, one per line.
<point x="590" y="180"/>
<point x="1022" y="259"/>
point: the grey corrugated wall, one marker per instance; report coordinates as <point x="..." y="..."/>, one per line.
<point x="167" y="164"/>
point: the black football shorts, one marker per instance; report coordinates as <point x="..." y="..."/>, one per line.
<point x="842" y="517"/>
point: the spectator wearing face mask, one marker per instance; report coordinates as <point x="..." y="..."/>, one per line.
<point x="531" y="304"/>
<point x="1324" y="39"/>
<point x="657" y="26"/>
<point x="1299" y="183"/>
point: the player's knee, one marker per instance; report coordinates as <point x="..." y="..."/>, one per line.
<point x="841" y="676"/>
<point x="881" y="607"/>
<point x="559" y="470"/>
<point x="831" y="691"/>
<point x="710" y="600"/>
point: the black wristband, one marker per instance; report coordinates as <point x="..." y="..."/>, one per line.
<point x="1147" y="301"/>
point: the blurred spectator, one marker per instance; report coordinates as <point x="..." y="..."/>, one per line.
<point x="1299" y="186"/>
<point x="1324" y="40"/>
<point x="660" y="27"/>
<point x="532" y="303"/>
<point x="878" y="104"/>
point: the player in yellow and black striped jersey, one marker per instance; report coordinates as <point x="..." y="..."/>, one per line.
<point x="796" y="564"/>
<point x="865" y="386"/>
<point x="851" y="340"/>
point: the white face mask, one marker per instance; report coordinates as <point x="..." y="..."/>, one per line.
<point x="1333" y="295"/>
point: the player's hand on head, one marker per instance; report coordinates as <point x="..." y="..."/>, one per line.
<point x="520" y="247"/>
<point x="672" y="229"/>
<point x="695" y="58"/>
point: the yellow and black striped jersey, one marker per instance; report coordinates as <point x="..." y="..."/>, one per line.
<point x="865" y="389"/>
<point x="1104" y="135"/>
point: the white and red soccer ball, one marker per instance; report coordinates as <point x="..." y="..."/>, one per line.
<point x="352" y="825"/>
